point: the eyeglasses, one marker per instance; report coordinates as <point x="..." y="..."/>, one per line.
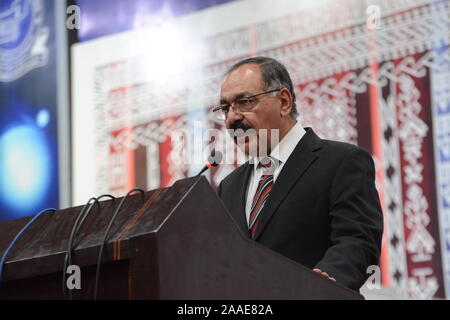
<point x="243" y="104"/>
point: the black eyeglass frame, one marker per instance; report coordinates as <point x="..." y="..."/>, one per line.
<point x="226" y="107"/>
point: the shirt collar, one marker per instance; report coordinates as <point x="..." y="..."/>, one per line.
<point x="283" y="150"/>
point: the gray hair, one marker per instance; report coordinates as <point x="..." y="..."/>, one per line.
<point x="274" y="75"/>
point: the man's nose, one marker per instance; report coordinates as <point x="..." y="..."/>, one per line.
<point x="233" y="116"/>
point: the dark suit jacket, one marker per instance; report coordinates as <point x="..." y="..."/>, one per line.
<point x="323" y="210"/>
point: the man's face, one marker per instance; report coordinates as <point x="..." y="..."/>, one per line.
<point x="243" y="82"/>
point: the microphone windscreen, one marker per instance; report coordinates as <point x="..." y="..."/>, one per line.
<point x="215" y="158"/>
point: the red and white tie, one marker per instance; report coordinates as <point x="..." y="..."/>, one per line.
<point x="262" y="193"/>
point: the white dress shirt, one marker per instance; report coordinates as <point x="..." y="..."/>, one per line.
<point x="281" y="152"/>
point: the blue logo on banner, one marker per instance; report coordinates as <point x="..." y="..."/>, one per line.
<point x="23" y="38"/>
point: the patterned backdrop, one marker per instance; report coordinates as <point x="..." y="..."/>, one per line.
<point x="385" y="87"/>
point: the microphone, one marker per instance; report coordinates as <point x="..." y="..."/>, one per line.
<point x="214" y="160"/>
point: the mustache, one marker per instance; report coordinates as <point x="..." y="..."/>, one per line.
<point x="241" y="125"/>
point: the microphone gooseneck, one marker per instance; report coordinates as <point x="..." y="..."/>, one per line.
<point x="214" y="160"/>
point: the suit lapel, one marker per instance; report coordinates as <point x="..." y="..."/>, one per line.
<point x="238" y="209"/>
<point x="300" y="160"/>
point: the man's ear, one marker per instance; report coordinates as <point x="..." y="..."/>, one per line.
<point x="286" y="102"/>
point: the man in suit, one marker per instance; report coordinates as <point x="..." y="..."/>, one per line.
<point x="312" y="200"/>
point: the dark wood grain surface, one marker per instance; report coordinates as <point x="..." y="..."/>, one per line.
<point x="185" y="245"/>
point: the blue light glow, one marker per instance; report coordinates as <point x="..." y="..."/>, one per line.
<point x="43" y="118"/>
<point x="24" y="167"/>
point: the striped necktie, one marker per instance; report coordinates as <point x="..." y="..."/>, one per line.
<point x="262" y="193"/>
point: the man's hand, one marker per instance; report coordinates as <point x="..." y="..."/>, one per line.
<point x="324" y="274"/>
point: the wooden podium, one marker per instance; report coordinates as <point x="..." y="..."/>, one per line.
<point x="184" y="246"/>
